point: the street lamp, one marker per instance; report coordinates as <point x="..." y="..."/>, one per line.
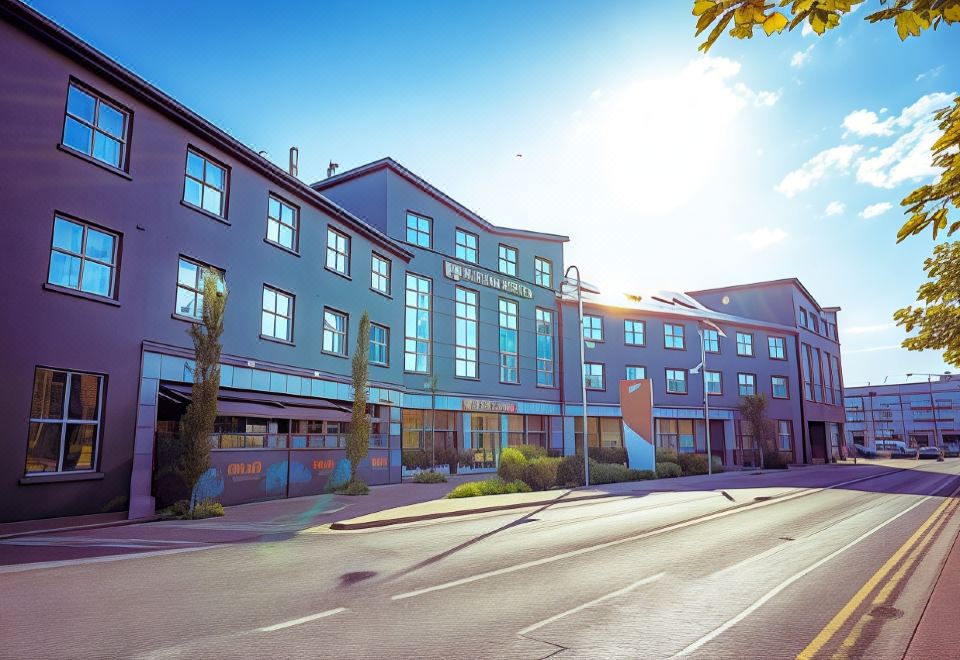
<point x="583" y="367"/>
<point x="701" y="327"/>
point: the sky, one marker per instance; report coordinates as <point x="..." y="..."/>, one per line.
<point x="768" y="158"/>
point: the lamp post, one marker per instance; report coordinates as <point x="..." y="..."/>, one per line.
<point x="702" y="367"/>
<point x="583" y="369"/>
<point x="431" y="384"/>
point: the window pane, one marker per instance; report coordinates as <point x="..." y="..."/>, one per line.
<point x="283" y="305"/>
<point x="106" y="149"/>
<point x="49" y="388"/>
<point x="286" y="236"/>
<point x="67" y="235"/>
<point x="99" y="245"/>
<point x="187" y="273"/>
<point x="194" y="165"/>
<point x="77" y="136"/>
<point x="286" y="214"/>
<point x="43" y="447"/>
<point x="273" y="208"/>
<point x="185" y="302"/>
<point x="78" y="446"/>
<point x="192" y="192"/>
<point x="214" y="175"/>
<point x="84" y="397"/>
<point x="80" y="103"/>
<point x="211" y="200"/>
<point x="64" y="270"/>
<point x="282" y="331"/>
<point x="96" y="278"/>
<point x="273" y="231"/>
<point x="266" y="324"/>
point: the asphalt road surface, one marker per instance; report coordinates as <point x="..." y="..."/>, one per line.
<point x="770" y="572"/>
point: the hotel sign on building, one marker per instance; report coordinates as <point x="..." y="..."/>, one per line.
<point x="485" y="405"/>
<point x="458" y="272"/>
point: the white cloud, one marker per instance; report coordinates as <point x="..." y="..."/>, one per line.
<point x="763" y="237"/>
<point x="833" y="159"/>
<point x="872" y="349"/>
<point x="864" y="122"/>
<point x="835" y="208"/>
<point x="760" y="99"/>
<point x="874" y="210"/>
<point x="866" y="329"/>
<point x="800" y="58"/>
<point x="932" y="73"/>
<point x="806" y="31"/>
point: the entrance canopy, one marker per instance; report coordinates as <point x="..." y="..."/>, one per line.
<point x="276" y="406"/>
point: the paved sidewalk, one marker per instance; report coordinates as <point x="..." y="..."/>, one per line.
<point x="938" y="635"/>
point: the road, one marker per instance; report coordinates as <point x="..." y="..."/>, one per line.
<point x="774" y="571"/>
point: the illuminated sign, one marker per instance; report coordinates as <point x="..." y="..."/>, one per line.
<point x="458" y="272"/>
<point x="483" y="405"/>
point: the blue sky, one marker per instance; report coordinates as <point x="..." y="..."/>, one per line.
<point x="667" y="169"/>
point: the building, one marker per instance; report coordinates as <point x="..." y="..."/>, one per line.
<point x="919" y="414"/>
<point x="123" y="198"/>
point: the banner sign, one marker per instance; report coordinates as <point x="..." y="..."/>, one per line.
<point x="483" y="405"/>
<point x="458" y="272"/>
<point x="636" y="405"/>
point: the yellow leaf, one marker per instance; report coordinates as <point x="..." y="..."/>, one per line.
<point x="951" y="14"/>
<point x="817" y="23"/>
<point x="701" y="6"/>
<point x="775" y="23"/>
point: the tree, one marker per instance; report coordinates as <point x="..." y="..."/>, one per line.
<point x="358" y="441"/>
<point x="939" y="317"/>
<point x="198" y="420"/>
<point x="753" y="409"/>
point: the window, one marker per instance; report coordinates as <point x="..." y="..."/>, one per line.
<point x="593" y="375"/>
<point x="379" y="344"/>
<point x="779" y="386"/>
<point x="544" y="347"/>
<point x="745" y="344"/>
<point x="190" y="276"/>
<point x="747" y="383"/>
<point x="64" y="421"/>
<point x="334" y="332"/>
<point x="636" y="373"/>
<point x="785" y="434"/>
<point x="543" y="272"/>
<point x="676" y="381"/>
<point x="205" y="184"/>
<point x="466" y="247"/>
<point x="380" y="274"/>
<point x="281" y="223"/>
<point x="777" y="347"/>
<point x="601" y="432"/>
<point x="509" y="372"/>
<point x="276" y="318"/>
<point x="675" y="434"/>
<point x="803" y="317"/>
<point x="338" y="251"/>
<point x="634" y="333"/>
<point x="713" y="381"/>
<point x="83" y="257"/>
<point x="711" y="341"/>
<point x="95" y="127"/>
<point x="416" y="345"/>
<point x="419" y="230"/>
<point x="673" y="336"/>
<point x="507" y="260"/>
<point x="592" y="328"/>
<point x="815" y="324"/>
<point x="467" y="306"/>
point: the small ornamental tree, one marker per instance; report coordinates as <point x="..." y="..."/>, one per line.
<point x="753" y="409"/>
<point x="196" y="427"/>
<point x="358" y="441"/>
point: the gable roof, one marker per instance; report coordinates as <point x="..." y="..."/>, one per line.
<point x="788" y="281"/>
<point x="424" y="185"/>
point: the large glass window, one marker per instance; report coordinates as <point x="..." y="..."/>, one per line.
<point x="380" y="274"/>
<point x="636" y="372"/>
<point x="95" y="127"/>
<point x="601" y="432"/>
<point x="83" y="257"/>
<point x="676" y="381"/>
<point x="205" y="184"/>
<point x="593" y="375"/>
<point x="281" y="223"/>
<point x="466" y="247"/>
<point x="507" y="260"/>
<point x="778" y="385"/>
<point x="509" y="367"/>
<point x="338" y="251"/>
<point x="276" y="318"/>
<point x="190" y="276"/>
<point x="675" y="434"/>
<point x="747" y="384"/>
<point x="634" y="333"/>
<point x="673" y="336"/>
<point x="334" y="332"/>
<point x="711" y="340"/>
<point x="467" y="306"/>
<point x="592" y="328"/>
<point x="713" y="381"/>
<point x="745" y="344"/>
<point x="379" y="344"/>
<point x="417" y="331"/>
<point x="777" y="347"/>
<point x="543" y="272"/>
<point x="544" y="347"/>
<point x="419" y="230"/>
<point x="64" y="421"/>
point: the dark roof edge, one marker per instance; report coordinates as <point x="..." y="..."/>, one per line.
<point x="753" y="285"/>
<point x="436" y="193"/>
<point x="33" y="22"/>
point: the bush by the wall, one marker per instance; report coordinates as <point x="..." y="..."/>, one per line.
<point x="429" y="477"/>
<point x="541" y="473"/>
<point x="354" y="487"/>
<point x="666" y="470"/>
<point x="717" y="465"/>
<point x="775" y="461"/>
<point x="570" y="471"/>
<point x="415" y="459"/>
<point x="495" y="486"/>
<point x="466" y="458"/>
<point x="666" y="455"/>
<point x="642" y="475"/>
<point x="512" y="464"/>
<point x="616" y="455"/>
<point x="691" y="464"/>
<point x="531" y="452"/>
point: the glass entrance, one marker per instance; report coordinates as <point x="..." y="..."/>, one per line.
<point x="485" y="437"/>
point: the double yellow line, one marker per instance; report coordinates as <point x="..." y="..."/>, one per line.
<point x="897" y="567"/>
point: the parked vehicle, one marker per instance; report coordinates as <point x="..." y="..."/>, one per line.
<point x="951" y="449"/>
<point x="864" y="452"/>
<point x="896" y="448"/>
<point x="930" y="453"/>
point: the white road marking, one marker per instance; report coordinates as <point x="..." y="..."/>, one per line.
<point x="790" y="580"/>
<point x="749" y="560"/>
<point x="20" y="568"/>
<point x="305" y="619"/>
<point x="580" y="608"/>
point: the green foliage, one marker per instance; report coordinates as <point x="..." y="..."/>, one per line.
<point x="415" y="459"/>
<point x="196" y="427"/>
<point x="541" y="473"/>
<point x="717" y="465"/>
<point x="354" y="487"/>
<point x="531" y="452"/>
<point x="512" y="464"/>
<point x="608" y="454"/>
<point x="570" y="471"/>
<point x="495" y="486"/>
<point x="181" y="510"/>
<point x="775" y="461"/>
<point x="692" y="464"/>
<point x="358" y="441"/>
<point x="753" y="410"/>
<point x="938" y="320"/>
<point x="668" y="470"/>
<point x="207" y="509"/>
<point x="642" y="475"/>
<point x="666" y="455"/>
<point x="429" y="477"/>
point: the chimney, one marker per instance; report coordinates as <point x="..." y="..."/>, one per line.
<point x="332" y="169"/>
<point x="294" y="161"/>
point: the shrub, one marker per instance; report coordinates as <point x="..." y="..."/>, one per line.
<point x="512" y="464"/>
<point x="531" y="452"/>
<point x="570" y="471"/>
<point x="466" y="458"/>
<point x="541" y="473"/>
<point x="642" y="475"/>
<point x="429" y="477"/>
<point x="691" y="464"/>
<point x="207" y="509"/>
<point x="616" y="455"/>
<point x="666" y="455"/>
<point x="717" y="465"/>
<point x="608" y="473"/>
<point x="666" y="470"/>
<point x="495" y="486"/>
<point x="447" y="456"/>
<point x="354" y="487"/>
<point x="415" y="459"/>
<point x="774" y="461"/>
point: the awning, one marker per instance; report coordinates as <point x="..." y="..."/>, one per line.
<point x="255" y="404"/>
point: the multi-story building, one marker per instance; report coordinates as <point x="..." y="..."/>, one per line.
<point x="919" y="414"/>
<point x="119" y="199"/>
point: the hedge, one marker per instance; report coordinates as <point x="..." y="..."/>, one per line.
<point x="541" y="473"/>
<point x="666" y="470"/>
<point x="495" y="486"/>
<point x="512" y="464"/>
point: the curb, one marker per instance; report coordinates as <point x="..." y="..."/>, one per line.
<point x="58" y="530"/>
